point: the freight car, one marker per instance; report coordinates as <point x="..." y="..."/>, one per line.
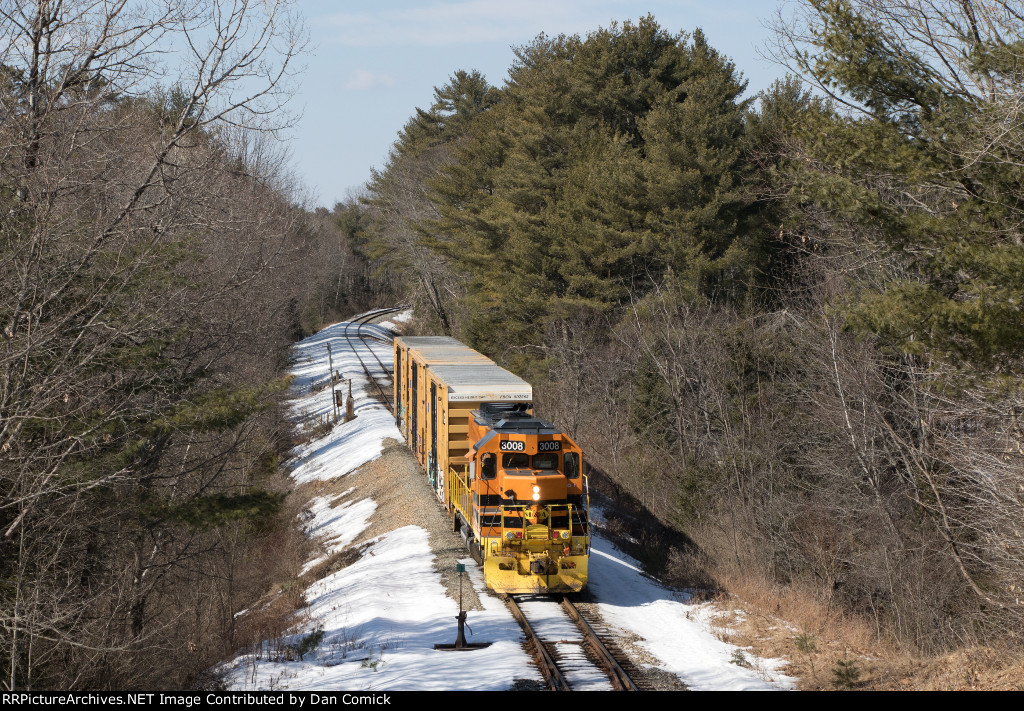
<point x="512" y="483"/>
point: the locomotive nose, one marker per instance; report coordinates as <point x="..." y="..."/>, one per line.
<point x="540" y="488"/>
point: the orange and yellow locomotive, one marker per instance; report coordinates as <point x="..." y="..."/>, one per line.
<point x="513" y="483"/>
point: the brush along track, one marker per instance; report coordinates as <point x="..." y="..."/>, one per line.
<point x="558" y="636"/>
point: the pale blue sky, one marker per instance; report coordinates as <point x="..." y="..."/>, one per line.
<point x="372" y="64"/>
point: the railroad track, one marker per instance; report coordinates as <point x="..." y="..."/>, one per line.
<point x="572" y="655"/>
<point x="560" y="637"/>
<point x="358" y="322"/>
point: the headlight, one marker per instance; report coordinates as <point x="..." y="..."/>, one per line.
<point x="536" y="496"/>
<point x="565" y="535"/>
<point x="510" y="535"/>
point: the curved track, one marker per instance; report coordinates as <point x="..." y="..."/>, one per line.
<point x="358" y="322"/>
<point x="571" y="654"/>
<point x="560" y="650"/>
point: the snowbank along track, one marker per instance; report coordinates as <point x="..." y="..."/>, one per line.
<point x="558" y="644"/>
<point x="358" y="322"/>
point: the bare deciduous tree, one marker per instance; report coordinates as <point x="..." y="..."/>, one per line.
<point x="118" y="237"/>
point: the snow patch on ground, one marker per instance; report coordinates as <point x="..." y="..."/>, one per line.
<point x="398" y="320"/>
<point x="374" y="623"/>
<point x="380" y="619"/>
<point x="349" y="446"/>
<point x="336" y="525"/>
<point x="673" y="628"/>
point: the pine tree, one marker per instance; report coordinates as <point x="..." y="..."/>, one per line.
<point x="398" y="192"/>
<point x="928" y="164"/>
<point x="607" y="163"/>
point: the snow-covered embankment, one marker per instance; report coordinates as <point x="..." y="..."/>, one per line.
<point x="372" y="623"/>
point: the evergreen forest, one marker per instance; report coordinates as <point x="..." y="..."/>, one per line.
<point x="787" y="326"/>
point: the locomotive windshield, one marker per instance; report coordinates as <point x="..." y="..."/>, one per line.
<point x="515" y="461"/>
<point x="546" y="461"/>
<point x="488" y="468"/>
<point x="572" y="465"/>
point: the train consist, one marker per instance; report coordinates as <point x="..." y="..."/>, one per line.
<point x="513" y="483"/>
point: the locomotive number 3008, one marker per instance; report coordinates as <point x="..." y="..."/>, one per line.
<point x="512" y="445"/>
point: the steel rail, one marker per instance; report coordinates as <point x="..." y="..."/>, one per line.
<point x="358" y="322"/>
<point x="552" y="674"/>
<point x="620" y="679"/>
<point x="365" y="338"/>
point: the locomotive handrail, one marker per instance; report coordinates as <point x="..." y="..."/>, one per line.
<point x="463" y="496"/>
<point x="505" y="541"/>
<point x="585" y="520"/>
<point x="577" y="516"/>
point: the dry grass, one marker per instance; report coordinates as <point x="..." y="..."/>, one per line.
<point x="275" y="566"/>
<point x="828" y="649"/>
<point x="333" y="563"/>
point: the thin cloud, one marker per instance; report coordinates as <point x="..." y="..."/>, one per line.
<point x="468" y="22"/>
<point x="362" y="79"/>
